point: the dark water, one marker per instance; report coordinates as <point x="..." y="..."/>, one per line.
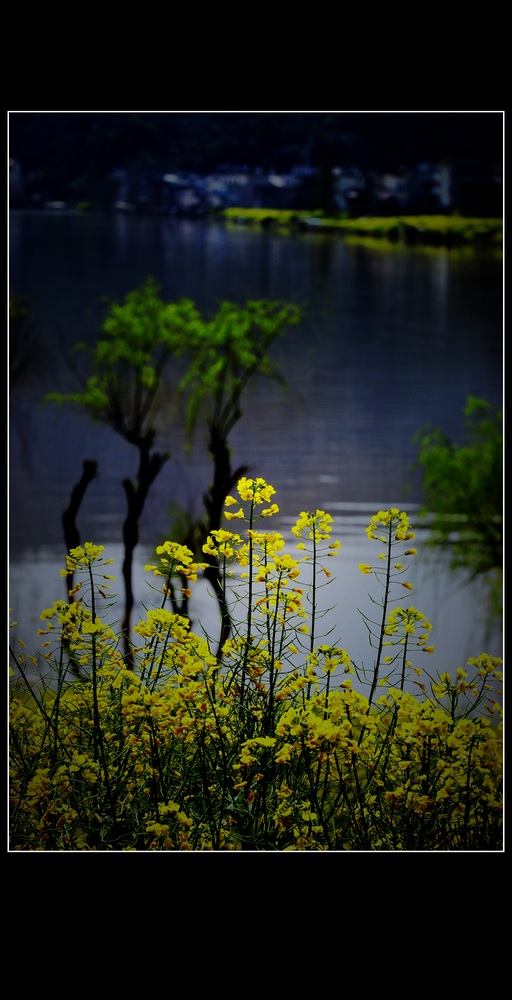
<point x="392" y="339"/>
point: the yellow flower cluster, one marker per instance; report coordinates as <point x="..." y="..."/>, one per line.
<point x="329" y="658"/>
<point x="267" y="746"/>
<point x="255" y="491"/>
<point x="161" y="622"/>
<point x="390" y="527"/>
<point x="394" y="520"/>
<point x="402" y="624"/>
<point x="487" y="667"/>
<point x="316" y="526"/>
<point x="73" y="626"/>
<point x="84" y="556"/>
<point x="221" y="543"/>
<point x="175" y="560"/>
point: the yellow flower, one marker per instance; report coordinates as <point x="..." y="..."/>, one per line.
<point x="284" y="755"/>
<point x="256" y="490"/>
<point x="84" y="555"/>
<point x="229" y="516"/>
<point x="390" y="518"/>
<point x="88" y="628"/>
<point x="364" y="568"/>
<point x="269" y="511"/>
<point x="179" y="553"/>
<point x="318" y="525"/>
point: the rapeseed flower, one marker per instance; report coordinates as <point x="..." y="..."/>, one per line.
<point x="255" y="490"/>
<point x="316" y="526"/>
<point x="257" y="747"/>
<point x="231" y="516"/>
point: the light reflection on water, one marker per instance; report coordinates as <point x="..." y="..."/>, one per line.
<point x="392" y="339"/>
<point x="453" y="603"/>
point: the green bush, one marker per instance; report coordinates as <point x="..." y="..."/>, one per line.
<point x="463" y="493"/>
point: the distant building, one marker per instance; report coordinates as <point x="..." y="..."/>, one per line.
<point x="429" y="188"/>
<point x="245" y="188"/>
<point x="388" y="192"/>
<point x="425" y="188"/>
<point x="350" y="190"/>
<point x="471" y="187"/>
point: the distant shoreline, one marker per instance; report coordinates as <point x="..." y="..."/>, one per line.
<point x="433" y="230"/>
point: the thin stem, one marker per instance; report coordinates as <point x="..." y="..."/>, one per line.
<point x="467" y="803"/>
<point x="402" y="679"/>
<point x="98" y="746"/>
<point x="249" y="605"/>
<point x="313" y="602"/>
<point x="383" y="621"/>
<point x="313" y="593"/>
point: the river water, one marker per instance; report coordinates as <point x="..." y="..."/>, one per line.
<point x="392" y="339"/>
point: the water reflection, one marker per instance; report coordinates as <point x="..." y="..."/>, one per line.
<point x="451" y="601"/>
<point x="392" y="339"/>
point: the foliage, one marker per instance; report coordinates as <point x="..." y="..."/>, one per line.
<point x="437" y="230"/>
<point x="271" y="749"/>
<point x="138" y="337"/>
<point x="226" y="351"/>
<point x="463" y="490"/>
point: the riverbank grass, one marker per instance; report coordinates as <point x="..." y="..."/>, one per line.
<point x="443" y="230"/>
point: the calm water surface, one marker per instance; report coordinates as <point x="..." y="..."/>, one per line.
<point x="392" y="339"/>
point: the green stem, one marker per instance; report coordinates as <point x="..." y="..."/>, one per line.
<point x="402" y="679"/>
<point x="249" y="606"/>
<point x="383" y="622"/>
<point x="313" y="593"/>
<point x="273" y="670"/>
<point x="467" y="803"/>
<point x="313" y="602"/>
<point x="98" y="746"/>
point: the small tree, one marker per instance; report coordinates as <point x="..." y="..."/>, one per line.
<point x="227" y="352"/>
<point x="137" y="339"/>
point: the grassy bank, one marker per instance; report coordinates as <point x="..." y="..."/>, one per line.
<point x="435" y="230"/>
